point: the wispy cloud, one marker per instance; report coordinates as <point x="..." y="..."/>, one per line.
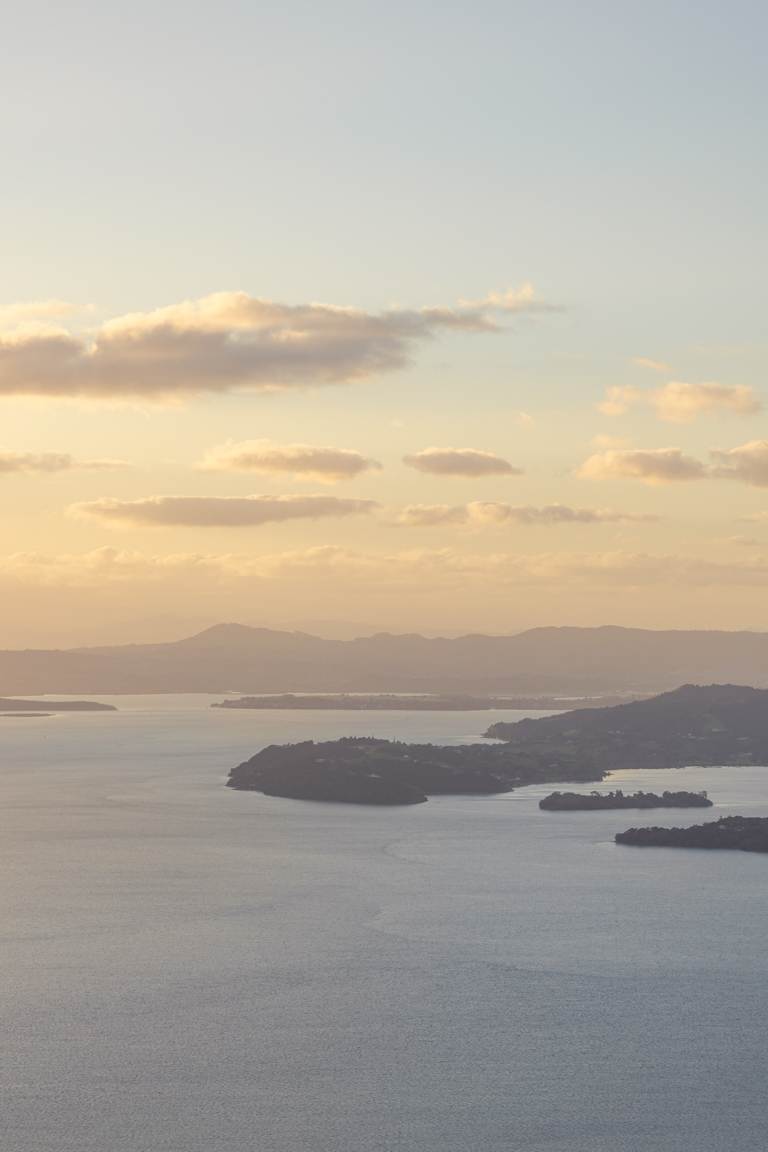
<point x="220" y="511"/>
<point x="679" y="402"/>
<point x="492" y="512"/>
<point x="303" y="460"/>
<point x="28" y="313"/>
<point x="231" y="340"/>
<point x="434" y="515"/>
<point x="461" y="462"/>
<point x="11" y="461"/>
<point x="651" y="365"/>
<point x="522" y="299"/>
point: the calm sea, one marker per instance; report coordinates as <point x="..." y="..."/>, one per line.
<point x="191" y="969"/>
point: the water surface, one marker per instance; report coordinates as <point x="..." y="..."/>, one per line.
<point x="191" y="969"/>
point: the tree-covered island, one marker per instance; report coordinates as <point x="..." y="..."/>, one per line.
<point x="599" y="801"/>
<point x="365" y="770"/>
<point x="745" y="833"/>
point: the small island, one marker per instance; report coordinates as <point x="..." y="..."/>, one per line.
<point x="365" y="770"/>
<point x="744" y="833"/>
<point x="597" y="801"/>
<point x="46" y="707"/>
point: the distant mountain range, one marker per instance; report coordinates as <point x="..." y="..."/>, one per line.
<point x="555" y="662"/>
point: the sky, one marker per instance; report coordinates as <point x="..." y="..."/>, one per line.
<point x="411" y="317"/>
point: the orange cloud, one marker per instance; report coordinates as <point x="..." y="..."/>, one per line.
<point x="652" y="465"/>
<point x="11" y="461"/>
<point x="229" y="341"/>
<point x="491" y="512"/>
<point x="220" y="511"/>
<point x="303" y="460"/>
<point x="679" y="402"/>
<point x="460" y="462"/>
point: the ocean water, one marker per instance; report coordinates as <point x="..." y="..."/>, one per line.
<point x="190" y="969"/>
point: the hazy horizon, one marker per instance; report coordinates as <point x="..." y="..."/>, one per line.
<point x="345" y="632"/>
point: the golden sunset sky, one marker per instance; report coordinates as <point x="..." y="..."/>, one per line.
<point x="403" y="317"/>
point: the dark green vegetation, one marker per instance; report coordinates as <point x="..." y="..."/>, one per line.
<point x="747" y="833"/>
<point x="719" y="724"/>
<point x="596" y="801"/>
<point x="369" y="771"/>
<point x="388" y="702"/>
<point x="45" y="707"/>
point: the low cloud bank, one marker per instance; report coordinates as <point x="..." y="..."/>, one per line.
<point x="442" y="567"/>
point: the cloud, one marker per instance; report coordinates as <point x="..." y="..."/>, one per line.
<point x="262" y="456"/>
<point x="491" y="512"/>
<point x="651" y="365"/>
<point x="231" y="340"/>
<point x="601" y="441"/>
<point x="554" y="514"/>
<point x="652" y="465"/>
<point x="220" y="511"/>
<point x="31" y="313"/>
<point x="11" y="461"/>
<point x="522" y="299"/>
<point x="460" y="462"/>
<point x="680" y="403"/>
<point x="747" y="463"/>
<point x="434" y="515"/>
<point x="745" y="541"/>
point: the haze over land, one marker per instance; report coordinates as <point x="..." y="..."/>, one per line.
<point x="545" y="661"/>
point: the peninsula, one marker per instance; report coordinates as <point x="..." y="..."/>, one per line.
<point x="745" y="833"/>
<point x="16" y="707"/>
<point x="364" y="770"/>
<point x="24" y="715"/>
<point x="720" y="724"/>
<point x="397" y="702"/>
<point x="597" y="801"/>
